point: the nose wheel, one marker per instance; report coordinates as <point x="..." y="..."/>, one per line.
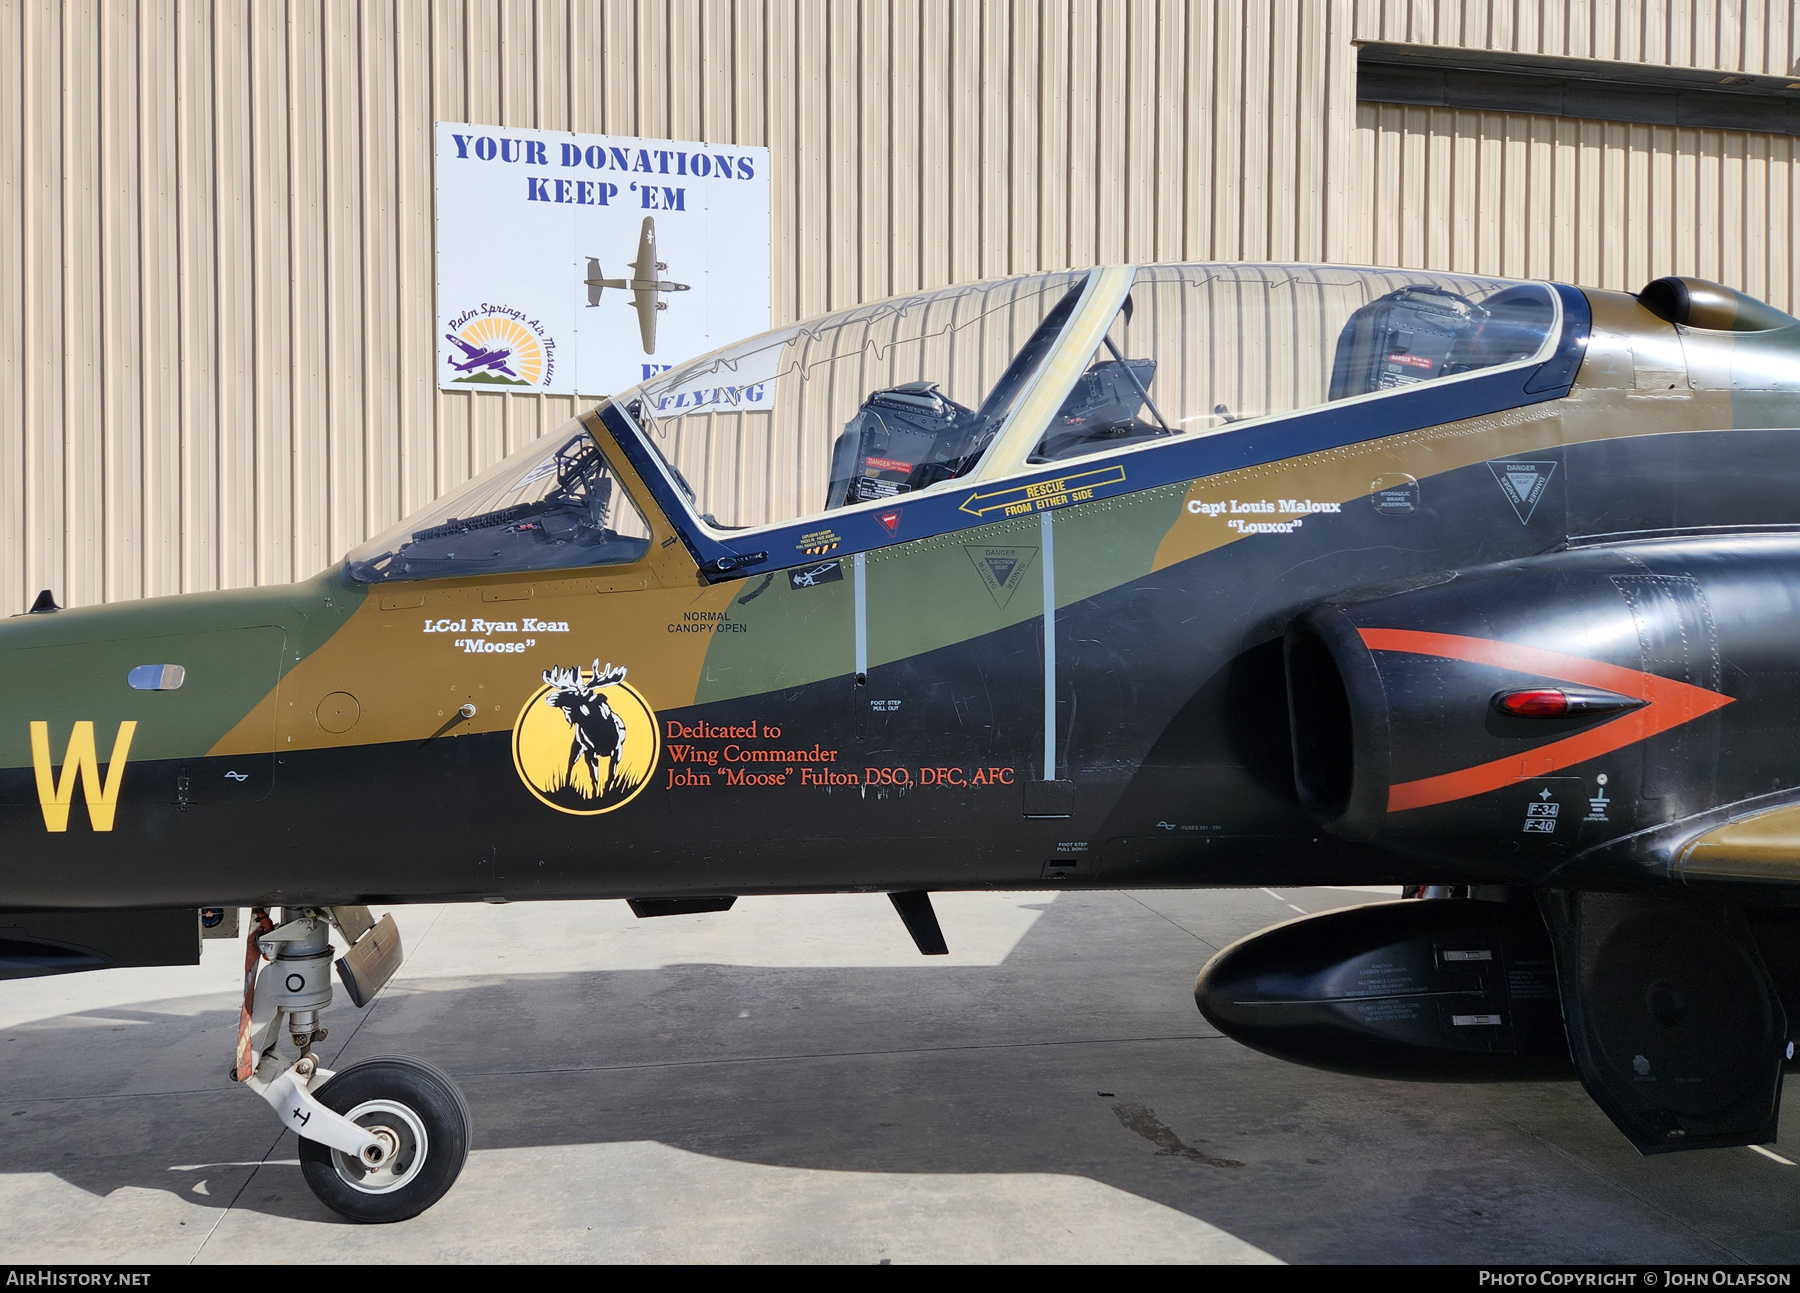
<point x="415" y="1111"/>
<point x="379" y="1141"/>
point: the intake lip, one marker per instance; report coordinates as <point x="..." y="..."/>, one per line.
<point x="1338" y="717"/>
<point x="1698" y="303"/>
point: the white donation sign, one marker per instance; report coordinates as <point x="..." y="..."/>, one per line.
<point x="583" y="264"/>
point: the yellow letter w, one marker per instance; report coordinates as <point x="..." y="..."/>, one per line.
<point x="80" y="761"/>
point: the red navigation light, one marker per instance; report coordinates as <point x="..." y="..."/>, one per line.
<point x="1539" y="702"/>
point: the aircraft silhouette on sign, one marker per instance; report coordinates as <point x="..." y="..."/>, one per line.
<point x="477" y="357"/>
<point x="644" y="285"/>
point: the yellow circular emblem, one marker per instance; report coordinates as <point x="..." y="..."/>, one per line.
<point x="586" y="742"/>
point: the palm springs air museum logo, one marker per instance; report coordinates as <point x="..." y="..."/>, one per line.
<point x="496" y="345"/>
<point x="575" y="264"/>
<point x="586" y="741"/>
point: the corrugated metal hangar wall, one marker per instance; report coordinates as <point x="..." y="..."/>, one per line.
<point x="216" y="264"/>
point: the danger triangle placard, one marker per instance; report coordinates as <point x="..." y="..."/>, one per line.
<point x="1523" y="482"/>
<point x="1002" y="570"/>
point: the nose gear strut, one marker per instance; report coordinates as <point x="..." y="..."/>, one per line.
<point x="287" y="993"/>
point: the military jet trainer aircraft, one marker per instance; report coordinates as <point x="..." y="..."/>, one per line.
<point x="1163" y="575"/>
<point x="645" y="287"/>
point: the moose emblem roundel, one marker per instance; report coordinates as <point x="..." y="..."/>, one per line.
<point x="586" y="741"/>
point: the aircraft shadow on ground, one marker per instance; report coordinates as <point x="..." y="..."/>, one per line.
<point x="1069" y="1057"/>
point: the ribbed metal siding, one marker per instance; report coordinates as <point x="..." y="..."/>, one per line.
<point x="216" y="269"/>
<point x="1756" y="36"/>
<point x="1599" y="203"/>
<point x="1591" y="202"/>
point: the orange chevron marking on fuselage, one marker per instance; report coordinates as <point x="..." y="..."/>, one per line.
<point x="1671" y="704"/>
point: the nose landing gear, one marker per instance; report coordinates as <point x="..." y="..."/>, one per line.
<point x="382" y="1140"/>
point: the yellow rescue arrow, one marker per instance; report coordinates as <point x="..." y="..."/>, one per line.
<point x="1016" y="500"/>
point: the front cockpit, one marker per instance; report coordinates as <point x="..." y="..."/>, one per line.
<point x="553" y="505"/>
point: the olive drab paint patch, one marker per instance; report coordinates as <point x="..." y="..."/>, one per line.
<point x="80" y="763"/>
<point x="586" y="741"/>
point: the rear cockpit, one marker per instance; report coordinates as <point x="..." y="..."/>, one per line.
<point x="884" y="402"/>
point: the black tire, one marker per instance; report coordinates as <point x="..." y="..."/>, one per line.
<point x="409" y="1097"/>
